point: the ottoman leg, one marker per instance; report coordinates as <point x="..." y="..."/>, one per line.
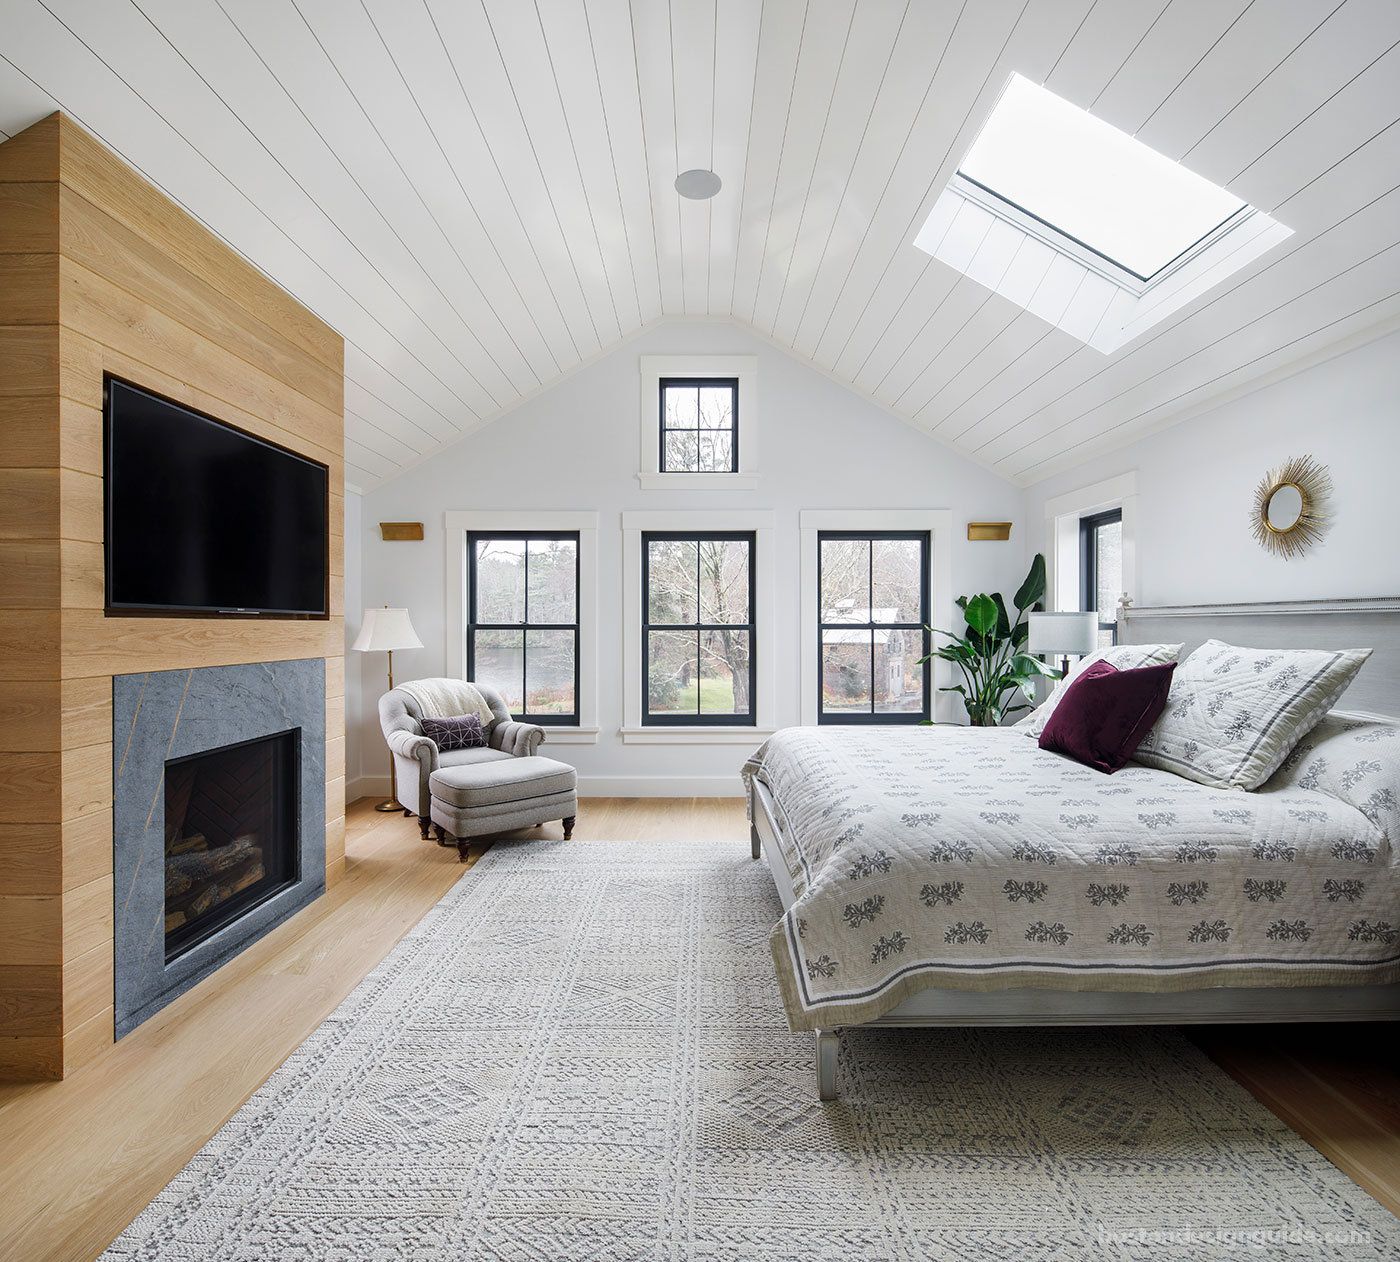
<point x="569" y="827"/>
<point x="422" y="826"/>
<point x="441" y="834"/>
<point x="462" y="847"/>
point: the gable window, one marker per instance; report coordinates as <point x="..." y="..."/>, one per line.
<point x="873" y="613"/>
<point x="523" y="621"/>
<point x="699" y="425"/>
<point x="1101" y="569"/>
<point x="698" y="628"/>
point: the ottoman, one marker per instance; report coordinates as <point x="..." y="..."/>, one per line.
<point x="496" y="797"/>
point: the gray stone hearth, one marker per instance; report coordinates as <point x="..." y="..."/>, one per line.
<point x="168" y="715"/>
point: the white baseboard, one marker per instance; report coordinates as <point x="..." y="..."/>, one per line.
<point x="598" y="787"/>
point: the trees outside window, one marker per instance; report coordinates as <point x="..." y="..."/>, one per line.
<point x="872" y="627"/>
<point x="522" y="621"/>
<point x="699" y="425"/>
<point x="697" y="637"/>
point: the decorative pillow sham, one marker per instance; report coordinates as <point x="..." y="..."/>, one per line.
<point x="461" y="731"/>
<point x="1120" y="656"/>
<point x="1106" y="712"/>
<point x="1354" y="758"/>
<point x="1234" y="714"/>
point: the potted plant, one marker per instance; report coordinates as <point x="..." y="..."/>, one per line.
<point x="989" y="655"/>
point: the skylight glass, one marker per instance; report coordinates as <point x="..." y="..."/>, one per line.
<point x="1092" y="182"/>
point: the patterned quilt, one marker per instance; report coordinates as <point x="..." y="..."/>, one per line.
<point x="970" y="858"/>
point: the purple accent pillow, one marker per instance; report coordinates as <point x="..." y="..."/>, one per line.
<point x="1106" y="712"/>
<point x="462" y="731"/>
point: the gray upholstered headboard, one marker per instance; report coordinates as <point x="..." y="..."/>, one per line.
<point x="1369" y="622"/>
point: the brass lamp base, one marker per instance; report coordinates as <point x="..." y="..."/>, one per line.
<point x="388" y="806"/>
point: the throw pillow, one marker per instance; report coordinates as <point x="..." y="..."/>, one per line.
<point x="1123" y="656"/>
<point x="1105" y="713"/>
<point x="1234" y="714"/>
<point x="461" y="731"/>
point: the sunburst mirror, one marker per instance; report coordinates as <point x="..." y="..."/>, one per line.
<point x="1290" y="506"/>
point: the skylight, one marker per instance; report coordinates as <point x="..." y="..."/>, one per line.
<point x="1088" y="180"/>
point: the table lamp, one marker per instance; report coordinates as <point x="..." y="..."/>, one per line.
<point x="383" y="631"/>
<point x="1063" y="634"/>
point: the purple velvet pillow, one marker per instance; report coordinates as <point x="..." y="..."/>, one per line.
<point x="1106" y="712"/>
<point x="462" y="731"/>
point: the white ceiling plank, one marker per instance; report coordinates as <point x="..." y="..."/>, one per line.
<point x="516" y="29"/>
<point x="22" y="102"/>
<point x="874" y="349"/>
<point x="1100" y="45"/>
<point x="613" y="55"/>
<point x="693" y="54"/>
<point x="366" y="461"/>
<point x="379" y="440"/>
<point x="967" y="303"/>
<point x="651" y="34"/>
<point x="977" y="370"/>
<point x="567" y="37"/>
<point x="471" y="46"/>
<point x="737" y="24"/>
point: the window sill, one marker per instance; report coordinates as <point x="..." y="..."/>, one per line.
<point x="695" y="735"/>
<point x="698" y="481"/>
<point x="570" y="735"/>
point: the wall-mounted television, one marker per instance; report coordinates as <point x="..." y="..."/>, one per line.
<point x="205" y="519"/>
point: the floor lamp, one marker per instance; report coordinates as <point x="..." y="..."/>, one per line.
<point x="383" y="631"/>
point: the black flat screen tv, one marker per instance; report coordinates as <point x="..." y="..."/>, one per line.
<point x="203" y="518"/>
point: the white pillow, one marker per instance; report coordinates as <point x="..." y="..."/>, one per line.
<point x="1234" y="714"/>
<point x="1121" y="656"/>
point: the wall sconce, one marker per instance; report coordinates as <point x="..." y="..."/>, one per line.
<point x="980" y="531"/>
<point x="400" y="531"/>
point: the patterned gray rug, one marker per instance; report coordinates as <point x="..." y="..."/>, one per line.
<point x="579" y="1054"/>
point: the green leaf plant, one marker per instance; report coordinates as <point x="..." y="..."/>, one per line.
<point x="990" y="654"/>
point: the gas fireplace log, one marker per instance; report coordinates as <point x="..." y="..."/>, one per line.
<point x="207" y="863"/>
<point x="212" y="895"/>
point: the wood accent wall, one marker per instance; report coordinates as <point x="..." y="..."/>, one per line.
<point x="100" y="272"/>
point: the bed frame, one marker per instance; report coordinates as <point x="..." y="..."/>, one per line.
<point x="1291" y="624"/>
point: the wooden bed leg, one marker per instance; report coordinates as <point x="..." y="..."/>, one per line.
<point x="755" y="842"/>
<point x="828" y="1044"/>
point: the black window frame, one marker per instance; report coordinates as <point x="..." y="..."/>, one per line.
<point x="552" y="719"/>
<point x="699" y="719"/>
<point x="1089" y="527"/>
<point x="697" y="383"/>
<point x="874" y="717"/>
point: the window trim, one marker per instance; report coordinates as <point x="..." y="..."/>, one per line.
<point x="744" y="369"/>
<point x="856" y="718"/>
<point x="457" y="524"/>
<point x="763" y="650"/>
<point x="698" y="384"/>
<point x="1062" y="516"/>
<point x="699" y="718"/>
<point x="937" y="523"/>
<point x="472" y="626"/>
<point x="1089" y="562"/>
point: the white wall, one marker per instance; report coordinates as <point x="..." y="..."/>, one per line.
<point x="1196" y="486"/>
<point x="576" y="447"/>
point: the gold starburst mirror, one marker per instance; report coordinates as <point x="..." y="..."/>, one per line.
<point x="1290" y="506"/>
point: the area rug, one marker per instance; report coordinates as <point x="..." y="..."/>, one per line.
<point x="579" y="1053"/>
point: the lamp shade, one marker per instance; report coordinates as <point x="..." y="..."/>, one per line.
<point x="386" y="630"/>
<point x="1062" y="634"/>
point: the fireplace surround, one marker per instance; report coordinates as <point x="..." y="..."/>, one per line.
<point x="198" y="814"/>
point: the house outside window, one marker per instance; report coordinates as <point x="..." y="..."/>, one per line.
<point x="699" y="424"/>
<point x="523" y="621"/>
<point x="1101" y="569"/>
<point x="873" y="613"/>
<point x="698" y="660"/>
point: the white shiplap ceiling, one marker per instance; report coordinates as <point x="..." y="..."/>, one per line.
<point x="478" y="193"/>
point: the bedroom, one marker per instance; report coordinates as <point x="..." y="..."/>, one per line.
<point x="438" y="250"/>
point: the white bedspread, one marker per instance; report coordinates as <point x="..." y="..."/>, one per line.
<point x="972" y="859"/>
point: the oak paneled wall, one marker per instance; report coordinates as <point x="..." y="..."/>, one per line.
<point x="99" y="272"/>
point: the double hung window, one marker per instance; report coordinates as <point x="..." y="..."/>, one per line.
<point x="699" y="425"/>
<point x="698" y="628"/>
<point x="873" y="611"/>
<point x="523" y="621"/>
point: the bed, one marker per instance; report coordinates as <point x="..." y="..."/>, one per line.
<point x="944" y="876"/>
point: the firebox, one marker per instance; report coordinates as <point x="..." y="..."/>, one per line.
<point x="230" y="834"/>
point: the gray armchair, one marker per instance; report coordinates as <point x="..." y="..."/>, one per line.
<point x="416" y="757"/>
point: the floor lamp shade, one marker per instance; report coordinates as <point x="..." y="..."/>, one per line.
<point x="1063" y="634"/>
<point x="386" y="631"/>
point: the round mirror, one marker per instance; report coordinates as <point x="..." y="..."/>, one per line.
<point x="1284" y="508"/>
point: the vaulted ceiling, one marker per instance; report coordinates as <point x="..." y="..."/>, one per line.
<point x="478" y="193"/>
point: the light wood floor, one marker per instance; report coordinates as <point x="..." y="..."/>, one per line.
<point x="79" y="1159"/>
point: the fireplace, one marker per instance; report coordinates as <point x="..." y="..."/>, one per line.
<point x="230" y="835"/>
<point x="218" y="819"/>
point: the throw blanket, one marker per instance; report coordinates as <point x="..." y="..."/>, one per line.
<point x="447" y="698"/>
<point x="969" y="858"/>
